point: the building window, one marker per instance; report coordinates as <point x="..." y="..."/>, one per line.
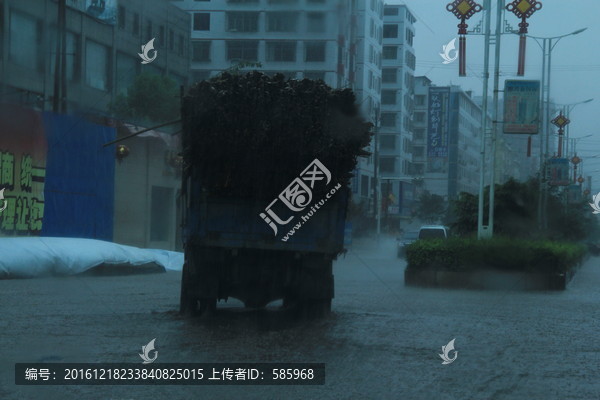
<point x="73" y="55"/>
<point x="201" y="21"/>
<point x="121" y="17"/>
<point x="96" y="65"/>
<point x="388" y="120"/>
<point x="149" y="29"/>
<point x="370" y="79"/>
<point x="372" y="28"/>
<point x="246" y="50"/>
<point x="25" y="39"/>
<point x="314" y="51"/>
<point x="281" y="51"/>
<point x="390" y="30"/>
<point x="388" y="97"/>
<point x="409" y="36"/>
<point x="390" y="11"/>
<point x="161" y="36"/>
<point x="171" y="40"/>
<point x="127" y="67"/>
<point x="281" y="21"/>
<point x="419" y="117"/>
<point x="315" y="22"/>
<point x="419" y="134"/>
<point x="364" y="185"/>
<point x="135" y="30"/>
<point x="242" y="21"/>
<point x="180" y="46"/>
<point x="390" y="52"/>
<point x="201" y="50"/>
<point x="388" y="142"/>
<point x="387" y="164"/>
<point x="389" y="75"/>
<point x="420" y="100"/>
<point x="411" y="60"/>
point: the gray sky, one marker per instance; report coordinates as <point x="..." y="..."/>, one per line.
<point x="575" y="59"/>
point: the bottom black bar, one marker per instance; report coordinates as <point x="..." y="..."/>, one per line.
<point x="170" y="374"/>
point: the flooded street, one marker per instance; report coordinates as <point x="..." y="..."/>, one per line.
<point x="381" y="342"/>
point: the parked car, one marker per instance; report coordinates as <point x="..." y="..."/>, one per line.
<point x="433" y="232"/>
<point x="405" y="240"/>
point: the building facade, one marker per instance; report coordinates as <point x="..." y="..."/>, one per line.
<point x="399" y="153"/>
<point x="448" y="122"/>
<point x="338" y="41"/>
<point x="101" y="53"/>
<point x="103" y="40"/>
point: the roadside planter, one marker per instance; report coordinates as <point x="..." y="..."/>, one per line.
<point x="497" y="263"/>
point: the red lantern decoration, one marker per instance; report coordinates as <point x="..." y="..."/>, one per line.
<point x="463" y="10"/>
<point x="560" y="121"/>
<point x="523" y="9"/>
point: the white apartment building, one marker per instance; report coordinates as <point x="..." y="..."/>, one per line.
<point x="397" y="152"/>
<point x="338" y="41"/>
<point x="453" y="166"/>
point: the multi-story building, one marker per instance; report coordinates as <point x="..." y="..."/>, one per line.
<point x="338" y="41"/>
<point x="448" y="120"/>
<point x="101" y="49"/>
<point x="398" y="152"/>
<point x="103" y="39"/>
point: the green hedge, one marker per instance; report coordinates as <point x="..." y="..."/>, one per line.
<point x="459" y="254"/>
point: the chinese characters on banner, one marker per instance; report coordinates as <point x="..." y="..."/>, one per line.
<point x="438" y="122"/>
<point x="521" y="106"/>
<point x="22" y="172"/>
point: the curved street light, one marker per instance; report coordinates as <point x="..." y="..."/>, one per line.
<point x="547" y="46"/>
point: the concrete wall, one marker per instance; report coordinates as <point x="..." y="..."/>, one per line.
<point x="135" y="176"/>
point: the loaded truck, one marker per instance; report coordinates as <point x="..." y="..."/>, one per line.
<point x="249" y="165"/>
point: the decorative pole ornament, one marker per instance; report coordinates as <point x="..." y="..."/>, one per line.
<point x="523" y="9"/>
<point x="560" y="121"/>
<point x="463" y="10"/>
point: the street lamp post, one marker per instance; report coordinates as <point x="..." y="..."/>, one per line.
<point x="568" y="108"/>
<point x="548" y="44"/>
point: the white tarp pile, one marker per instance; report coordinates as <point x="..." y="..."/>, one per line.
<point x="30" y="257"/>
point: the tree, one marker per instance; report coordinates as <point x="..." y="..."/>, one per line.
<point x="515" y="214"/>
<point x="150" y="100"/>
<point x="431" y="207"/>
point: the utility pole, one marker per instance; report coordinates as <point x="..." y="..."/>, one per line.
<point x="377" y="189"/>
<point x="486" y="76"/>
<point x="60" y="84"/>
<point x="499" y="16"/>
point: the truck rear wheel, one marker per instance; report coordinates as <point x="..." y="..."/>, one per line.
<point x="207" y="307"/>
<point x="188" y="301"/>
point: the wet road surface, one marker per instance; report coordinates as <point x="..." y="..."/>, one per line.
<point x="381" y="342"/>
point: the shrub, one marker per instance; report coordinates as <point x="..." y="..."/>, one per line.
<point x="497" y="253"/>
